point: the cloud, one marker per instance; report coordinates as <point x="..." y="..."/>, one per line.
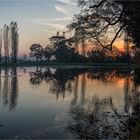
<point x="69" y="18"/>
<point x="62" y="9"/>
<point x="54" y="25"/>
<point x="50" y="32"/>
<point x="61" y="19"/>
<point x="49" y="27"/>
<point x="66" y="7"/>
<point x="70" y="2"/>
<point x="58" y="23"/>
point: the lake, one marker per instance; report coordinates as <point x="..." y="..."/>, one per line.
<point x="68" y="103"/>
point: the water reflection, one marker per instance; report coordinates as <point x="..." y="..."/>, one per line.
<point x="96" y="103"/>
<point x="9" y="87"/>
<point x="94" y="117"/>
<point x="14" y="89"/>
<point x="60" y="80"/>
<point x="76" y="83"/>
<point x="132" y="94"/>
<point x="67" y="80"/>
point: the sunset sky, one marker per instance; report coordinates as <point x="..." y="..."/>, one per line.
<point x="37" y="19"/>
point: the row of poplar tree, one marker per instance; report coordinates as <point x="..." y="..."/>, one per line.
<point x="9" y="39"/>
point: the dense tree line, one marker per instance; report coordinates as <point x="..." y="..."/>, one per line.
<point x="60" y="49"/>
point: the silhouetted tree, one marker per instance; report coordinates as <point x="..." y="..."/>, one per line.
<point x="13" y="40"/>
<point x="36" y="51"/>
<point x="103" y="21"/>
<point x="6" y="42"/>
<point x="48" y="52"/>
<point x="0" y="43"/>
<point x="62" y="49"/>
<point x="96" y="56"/>
<point x="131" y="19"/>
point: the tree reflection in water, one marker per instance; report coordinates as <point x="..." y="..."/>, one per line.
<point x="95" y="118"/>
<point x="100" y="118"/>
<point x="9" y="87"/>
<point x="60" y="80"/>
<point x="14" y="89"/>
<point x="132" y="93"/>
<point x="6" y="87"/>
<point x="0" y="85"/>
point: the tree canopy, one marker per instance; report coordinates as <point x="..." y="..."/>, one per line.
<point x="103" y="21"/>
<point x="36" y="51"/>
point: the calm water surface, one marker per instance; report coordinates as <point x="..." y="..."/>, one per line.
<point x="67" y="103"/>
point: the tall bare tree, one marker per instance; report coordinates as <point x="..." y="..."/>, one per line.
<point x="6" y="42"/>
<point x="0" y="43"/>
<point x="13" y="40"/>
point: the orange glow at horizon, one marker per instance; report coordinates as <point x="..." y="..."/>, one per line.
<point x="24" y="47"/>
<point x="118" y="44"/>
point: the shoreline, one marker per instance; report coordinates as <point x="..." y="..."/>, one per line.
<point x="74" y="65"/>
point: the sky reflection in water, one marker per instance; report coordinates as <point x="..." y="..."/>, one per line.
<point x="50" y="103"/>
